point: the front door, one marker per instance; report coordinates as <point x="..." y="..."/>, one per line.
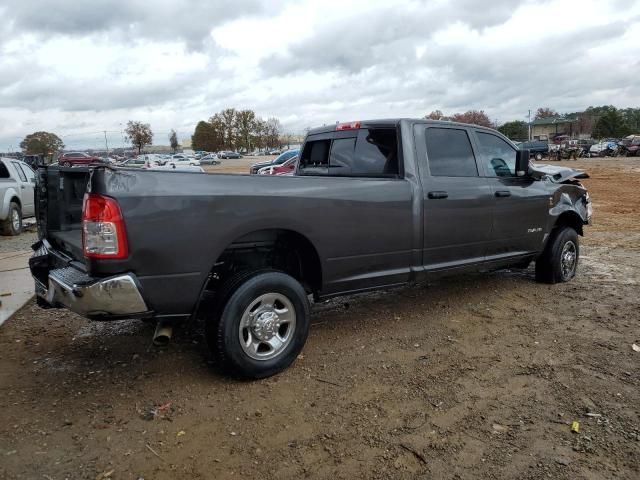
<point x="26" y="182"/>
<point x="457" y="200"/>
<point x="520" y="204"/>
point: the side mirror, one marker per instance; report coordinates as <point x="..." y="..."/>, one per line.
<point x="522" y="162"/>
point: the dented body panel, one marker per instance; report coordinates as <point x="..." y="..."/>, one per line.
<point x="366" y="232"/>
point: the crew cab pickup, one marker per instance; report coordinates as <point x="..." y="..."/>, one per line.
<point x="17" y="182"/>
<point x="371" y="205"/>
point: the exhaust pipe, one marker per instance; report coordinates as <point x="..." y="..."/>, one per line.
<point x="162" y="335"/>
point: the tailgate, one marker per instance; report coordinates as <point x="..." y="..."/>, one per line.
<point x="59" y="207"/>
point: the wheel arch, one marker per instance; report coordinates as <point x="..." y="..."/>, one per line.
<point x="10" y="196"/>
<point x="283" y="249"/>
<point x="570" y="218"/>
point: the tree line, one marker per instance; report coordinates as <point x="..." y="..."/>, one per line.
<point x="604" y="121"/>
<point x="232" y="129"/>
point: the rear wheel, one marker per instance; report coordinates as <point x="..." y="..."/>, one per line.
<point x="538" y="156"/>
<point x="260" y="324"/>
<point x="12" y="226"/>
<point x="559" y="261"/>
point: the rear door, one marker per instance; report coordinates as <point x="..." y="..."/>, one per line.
<point x="520" y="204"/>
<point x="457" y="199"/>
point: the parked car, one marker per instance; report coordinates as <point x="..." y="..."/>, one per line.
<point x="74" y="159"/>
<point x="210" y="159"/>
<point x="17" y="183"/>
<point x="226" y="154"/>
<point x="279" y="160"/>
<point x="274" y="151"/>
<point x="585" y="146"/>
<point x="138" y="162"/>
<point x="538" y="149"/>
<point x="372" y="204"/>
<point x="183" y="160"/>
<point x="630" y="146"/>
<point x="285" y="168"/>
<point x="603" y="149"/>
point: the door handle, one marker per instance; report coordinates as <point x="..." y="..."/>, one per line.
<point x="503" y="193"/>
<point x="22" y="187"/>
<point x="437" y="195"/>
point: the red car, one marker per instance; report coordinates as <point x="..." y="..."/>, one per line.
<point x="71" y="159"/>
<point x="287" y="168"/>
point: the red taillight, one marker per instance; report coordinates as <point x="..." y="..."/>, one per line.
<point x="347" y="126"/>
<point x="103" y="232"/>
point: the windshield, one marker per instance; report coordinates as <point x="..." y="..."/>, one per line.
<point x="284" y="157"/>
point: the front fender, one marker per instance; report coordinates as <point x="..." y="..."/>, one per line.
<point x="9" y="193"/>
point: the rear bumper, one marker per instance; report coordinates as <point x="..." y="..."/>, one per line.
<point x="108" y="298"/>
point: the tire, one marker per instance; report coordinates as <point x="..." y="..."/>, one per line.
<point x="264" y="298"/>
<point x="559" y="261"/>
<point x="12" y="226"/>
<point x="538" y="156"/>
<point x="67" y="164"/>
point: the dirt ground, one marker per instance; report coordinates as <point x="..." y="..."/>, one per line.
<point x="476" y="376"/>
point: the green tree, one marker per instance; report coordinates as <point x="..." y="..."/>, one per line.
<point x="245" y="121"/>
<point x="173" y="141"/>
<point x="515" y="130"/>
<point x="228" y="121"/>
<point x="203" y="137"/>
<point x="611" y="124"/>
<point x="632" y="119"/>
<point x="139" y="134"/>
<point x="42" y="143"/>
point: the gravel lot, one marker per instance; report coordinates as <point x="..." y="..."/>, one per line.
<point x="476" y="376"/>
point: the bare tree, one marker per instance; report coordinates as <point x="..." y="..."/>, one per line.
<point x="272" y="134"/>
<point x="545" y="112"/>
<point x="436" y="115"/>
<point x="475" y="117"/>
<point x="139" y="134"/>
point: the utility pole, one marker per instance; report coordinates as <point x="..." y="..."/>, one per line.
<point x="529" y="124"/>
<point x="105" y="142"/>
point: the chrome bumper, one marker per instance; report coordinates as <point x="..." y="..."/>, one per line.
<point x="117" y="296"/>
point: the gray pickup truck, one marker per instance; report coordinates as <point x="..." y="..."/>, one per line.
<point x="372" y="204"/>
<point x="17" y="182"/>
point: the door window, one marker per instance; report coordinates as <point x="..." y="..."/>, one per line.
<point x="449" y="153"/>
<point x="21" y="174"/>
<point x="498" y="157"/>
<point x="28" y="172"/>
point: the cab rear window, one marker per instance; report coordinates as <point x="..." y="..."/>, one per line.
<point x="370" y="152"/>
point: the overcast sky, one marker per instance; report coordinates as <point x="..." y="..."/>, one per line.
<point x="76" y="68"/>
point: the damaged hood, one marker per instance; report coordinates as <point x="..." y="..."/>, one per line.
<point x="554" y="173"/>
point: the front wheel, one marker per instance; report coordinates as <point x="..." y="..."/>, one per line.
<point x="12" y="226"/>
<point x="260" y="325"/>
<point x="538" y="156"/>
<point x="559" y="261"/>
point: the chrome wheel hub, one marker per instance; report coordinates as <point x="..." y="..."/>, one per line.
<point x="15" y="219"/>
<point x="267" y="326"/>
<point x="568" y="259"/>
